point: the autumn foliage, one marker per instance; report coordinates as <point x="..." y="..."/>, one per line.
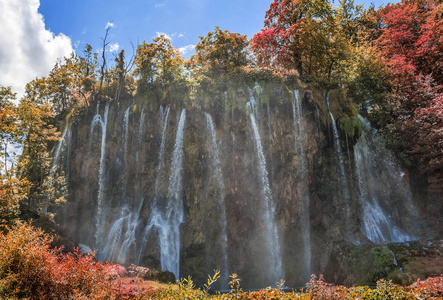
<point x="411" y="44"/>
<point x="219" y="53"/>
<point x="390" y="60"/>
<point x="29" y="268"/>
<point x="308" y="36"/>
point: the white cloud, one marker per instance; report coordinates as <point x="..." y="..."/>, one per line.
<point x="170" y="36"/>
<point x="27" y="49"/>
<point x="157" y="5"/>
<point x="166" y="35"/>
<point x="184" y="50"/>
<point x="114" y="47"/>
<point x="109" y="25"/>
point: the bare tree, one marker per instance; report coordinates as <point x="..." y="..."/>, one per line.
<point x="123" y="69"/>
<point x="103" y="66"/>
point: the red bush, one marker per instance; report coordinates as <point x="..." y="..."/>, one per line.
<point x="429" y="288"/>
<point x="30" y="269"/>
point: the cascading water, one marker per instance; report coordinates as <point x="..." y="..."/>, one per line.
<point x="170" y="231"/>
<point x="252" y="104"/>
<point x="97" y="120"/>
<point x="379" y="176"/>
<point x="341" y="165"/>
<point x="164" y="115"/>
<point x="270" y="142"/>
<point x="68" y="139"/>
<point x="156" y="218"/>
<point x="125" y="152"/>
<point x="141" y="127"/>
<point x="65" y="138"/>
<point x="270" y="230"/>
<point x="223" y="236"/>
<point x="63" y="141"/>
<point x="121" y="237"/>
<point x="304" y="181"/>
<point x="271" y="238"/>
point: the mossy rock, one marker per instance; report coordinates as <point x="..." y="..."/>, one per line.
<point x="401" y="278"/>
<point x="350" y="125"/>
<point x="160" y="276"/>
<point x="363" y="265"/>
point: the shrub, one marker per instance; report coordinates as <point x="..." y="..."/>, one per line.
<point x="320" y="289"/>
<point x="429" y="288"/>
<point x="29" y="268"/>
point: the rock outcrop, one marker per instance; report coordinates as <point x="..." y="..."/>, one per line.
<point x="139" y="196"/>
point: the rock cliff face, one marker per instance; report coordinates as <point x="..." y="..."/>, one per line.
<point x="258" y="181"/>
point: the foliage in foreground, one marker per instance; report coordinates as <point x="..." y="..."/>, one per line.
<point x="317" y="288"/>
<point x="30" y="269"/>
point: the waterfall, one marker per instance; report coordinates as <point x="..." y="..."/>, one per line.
<point x="57" y="152"/>
<point x="170" y="231"/>
<point x="223" y="236"/>
<point x="252" y="104"/>
<point x="121" y="237"/>
<point x="394" y="259"/>
<point x="341" y="165"/>
<point x="97" y="120"/>
<point x="55" y="160"/>
<point x="161" y="162"/>
<point x="141" y="127"/>
<point x="68" y="139"/>
<point x="156" y="218"/>
<point x="125" y="136"/>
<point x="125" y="152"/>
<point x="271" y="241"/>
<point x="270" y="141"/>
<point x="379" y="178"/>
<point x="304" y="181"/>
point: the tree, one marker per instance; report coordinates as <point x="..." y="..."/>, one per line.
<point x="297" y="31"/>
<point x="88" y="67"/>
<point x="410" y="44"/>
<point x="8" y="123"/>
<point x="120" y="72"/>
<point x="218" y="53"/>
<point x="145" y="63"/>
<point x="102" y="70"/>
<point x="70" y="82"/>
<point x="169" y="61"/>
<point x="34" y="133"/>
<point x="308" y="36"/>
<point x="158" y="64"/>
<point x="13" y="191"/>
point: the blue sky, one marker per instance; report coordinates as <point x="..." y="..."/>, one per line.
<point x="137" y="20"/>
<point x="35" y="33"/>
